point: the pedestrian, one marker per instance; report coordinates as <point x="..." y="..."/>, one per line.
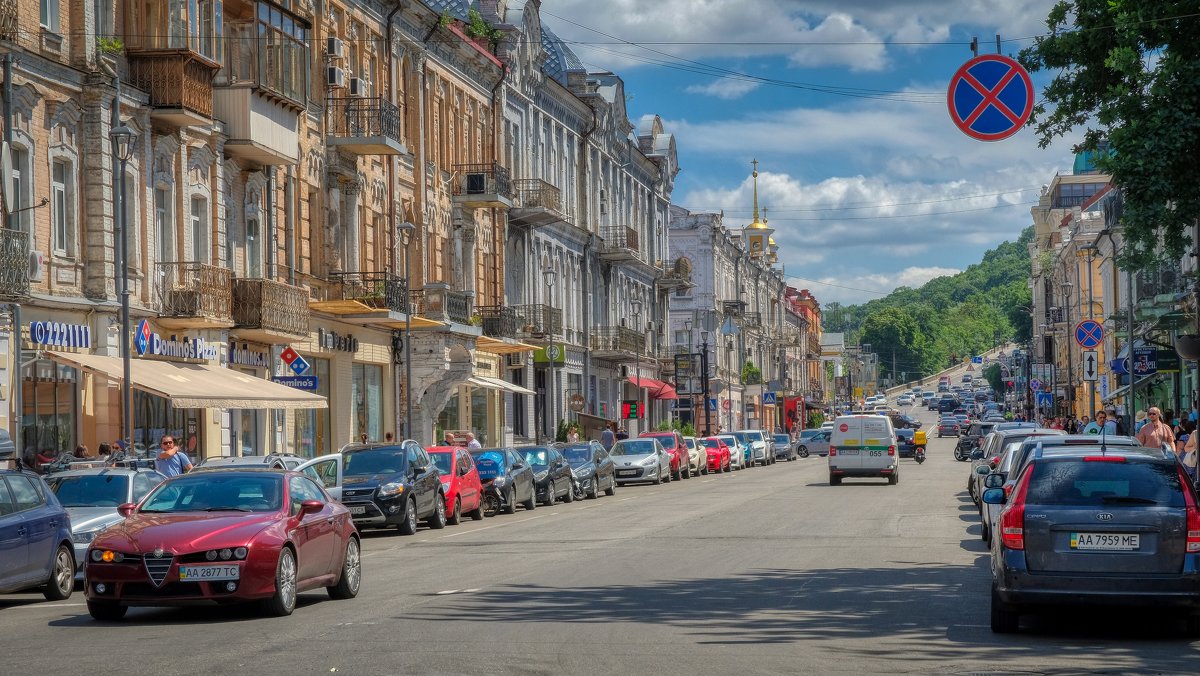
<point x="81" y="451"/>
<point x="1191" y="456"/>
<point x="171" y="460"/>
<point x="472" y="442"/>
<point x="1187" y="428"/>
<point x="389" y="437"/>
<point x="1101" y="425"/>
<point x="362" y="438"/>
<point x="572" y="435"/>
<point x="607" y="438"/>
<point x="104" y="450"/>
<point x="448" y="439"/>
<point x="1156" y="432"/>
<point x="622" y="433"/>
<point x="1083" y="423"/>
<point x="1112" y="415"/>
<point x="1139" y="421"/>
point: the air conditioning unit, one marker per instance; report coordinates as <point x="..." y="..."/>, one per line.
<point x="359" y="86"/>
<point x="335" y="48"/>
<point x="476" y="183"/>
<point x="37" y="266"/>
<point x="335" y="77"/>
<point x="515" y="361"/>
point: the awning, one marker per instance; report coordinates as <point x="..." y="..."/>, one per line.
<point x="195" y="385"/>
<point x="658" y="389"/>
<point x="503" y="345"/>
<point x="497" y="384"/>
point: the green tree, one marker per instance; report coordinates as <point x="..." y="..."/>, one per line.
<point x="896" y="338"/>
<point x="1128" y="72"/>
<point x="751" y="375"/>
<point x="994" y="375"/>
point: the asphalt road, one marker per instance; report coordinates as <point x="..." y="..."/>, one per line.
<point x="768" y="570"/>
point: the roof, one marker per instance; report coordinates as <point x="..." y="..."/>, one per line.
<point x="455" y="8"/>
<point x="559" y="58"/>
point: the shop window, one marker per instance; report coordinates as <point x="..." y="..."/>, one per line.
<point x="154" y="416"/>
<point x="367" y="399"/>
<point x="310" y="430"/>
<point x="480" y="402"/>
<point x="49" y="407"/>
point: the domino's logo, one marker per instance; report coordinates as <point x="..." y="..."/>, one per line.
<point x="141" y="338"/>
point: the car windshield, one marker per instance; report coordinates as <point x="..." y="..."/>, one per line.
<point x="755" y="436"/>
<point x="538" y="456"/>
<point x="633" y="447"/>
<point x="742" y="437"/>
<point x="578" y="455"/>
<point x="444" y="461"/>
<point x="373" y="461"/>
<point x="93" y="490"/>
<point x="1077" y="482"/>
<point x="217" y="492"/>
<point x="782" y="439"/>
<point x="490" y="464"/>
<point x="667" y="440"/>
<point x="709" y="443"/>
<point x="689" y="442"/>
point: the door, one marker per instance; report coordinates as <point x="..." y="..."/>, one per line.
<point x="846" y="440"/>
<point x="427" y="479"/>
<point x="39" y="523"/>
<point x="14" y="562"/>
<point x="468" y="485"/>
<point x="327" y="472"/>
<point x="315" y="547"/>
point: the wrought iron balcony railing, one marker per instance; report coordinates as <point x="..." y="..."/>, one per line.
<point x="436" y="301"/>
<point x="270" y="306"/>
<point x="378" y="290"/>
<point x="486" y="184"/>
<point x="14" y="264"/>
<point x="175" y="79"/>
<point x="538" y="320"/>
<point x="364" y="124"/>
<point x="539" y="203"/>
<point x="608" y="339"/>
<point x="499" y="321"/>
<point x="195" y="290"/>
<point x="457" y="306"/>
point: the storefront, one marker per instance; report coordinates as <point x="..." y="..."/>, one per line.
<point x="52" y="394"/>
<point x="252" y="431"/>
<point x="482" y="404"/>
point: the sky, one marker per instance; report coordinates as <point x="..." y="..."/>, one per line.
<point x="864" y="176"/>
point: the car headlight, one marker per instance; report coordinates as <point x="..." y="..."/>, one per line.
<point x="541" y="475"/>
<point x="583" y="472"/>
<point x="107" y="556"/>
<point x="391" y="488"/>
<point x="650" y="460"/>
<point x="84" y="537"/>
<point x="499" y="481"/>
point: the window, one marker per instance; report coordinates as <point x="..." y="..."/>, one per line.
<point x="6" y="503"/>
<point x="310" y="432"/>
<point x="48" y="402"/>
<point x="301" y="490"/>
<point x="49" y="15"/>
<point x="200" y="234"/>
<point x="60" y="199"/>
<point x="253" y="249"/>
<point x="143" y="483"/>
<point x="21" y="181"/>
<point x="164" y="224"/>
<point x="367" y="401"/>
<point x="25" y="495"/>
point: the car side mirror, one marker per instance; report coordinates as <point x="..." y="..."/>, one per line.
<point x="993" y="496"/>
<point x="994" y="480"/>
<point x="983" y="470"/>
<point x="126" y="510"/>
<point x="311" y="506"/>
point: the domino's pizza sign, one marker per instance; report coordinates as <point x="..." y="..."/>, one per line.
<point x="149" y="343"/>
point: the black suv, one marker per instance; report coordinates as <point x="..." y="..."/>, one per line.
<point x="387" y="485"/>
<point x="947" y="405"/>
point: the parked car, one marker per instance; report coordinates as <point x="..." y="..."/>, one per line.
<point x="506" y="478"/>
<point x="817" y="445"/>
<point x="743" y="445"/>
<point x="35" y="538"/>
<point x="593" y="467"/>
<point x="697" y="457"/>
<point x="271" y="460"/>
<point x="762" y="446"/>
<point x="972" y="436"/>
<point x="809" y="433"/>
<point x="1115" y="527"/>
<point x="551" y="473"/>
<point x="737" y="452"/>
<point x="991" y="448"/>
<point x="460" y="482"/>
<point x="672" y="443"/>
<point x="237" y="535"/>
<point x="91" y="498"/>
<point x="327" y="471"/>
<point x="718" y="456"/>
<point x="641" y="459"/>
<point x="385" y="485"/>
<point x="784" y="448"/>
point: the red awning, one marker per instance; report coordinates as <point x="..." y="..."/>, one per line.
<point x="658" y="389"/>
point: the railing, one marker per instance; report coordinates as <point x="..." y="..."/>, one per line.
<point x="362" y="117"/>
<point x="675" y="273"/>
<point x="174" y="80"/>
<point x="539" y="320"/>
<point x="534" y="192"/>
<point x="190" y="289"/>
<point x="14" y="264"/>
<point x="499" y="321"/>
<point x="457" y="306"/>
<point x="733" y="307"/>
<point x="1055" y="315"/>
<point x="9" y="20"/>
<point x="617" y="339"/>
<point x="436" y="301"/>
<point x="270" y="306"/>
<point x="1151" y="283"/>
<point x="482" y="179"/>
<point x="416" y="301"/>
<point x="378" y="290"/>
<point x="620" y="237"/>
<point x="752" y="320"/>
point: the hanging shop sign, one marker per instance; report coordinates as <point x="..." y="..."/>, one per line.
<point x="149" y="343"/>
<point x="59" y="334"/>
<point x="337" y="342"/>
<point x="244" y="356"/>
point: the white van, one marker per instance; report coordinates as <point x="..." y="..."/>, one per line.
<point x="863" y="445"/>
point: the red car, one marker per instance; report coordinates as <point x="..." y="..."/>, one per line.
<point x="681" y="464"/>
<point x="460" y="479"/>
<point x="718" y="454"/>
<point x="228" y="535"/>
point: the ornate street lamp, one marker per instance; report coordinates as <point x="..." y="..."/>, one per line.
<point x="123" y="139"/>
<point x="550" y="277"/>
<point x="405" y="230"/>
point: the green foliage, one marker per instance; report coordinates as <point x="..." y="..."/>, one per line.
<point x="560" y="434"/>
<point x="1128" y="72"/>
<point x="686" y="429"/>
<point x="477" y="28"/>
<point x="110" y="45"/>
<point x="751" y="375"/>
<point x="993" y="374"/>
<point x="815" y="418"/>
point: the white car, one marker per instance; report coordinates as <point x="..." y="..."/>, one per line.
<point x="737" y="459"/>
<point x="863" y="446"/>
<point x="327" y="471"/>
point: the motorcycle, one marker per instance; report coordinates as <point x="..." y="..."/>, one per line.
<point x="919" y="454"/>
<point x="577" y="489"/>
<point x="492" y="499"/>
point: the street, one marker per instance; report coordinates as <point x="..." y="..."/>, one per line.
<point x="768" y="570"/>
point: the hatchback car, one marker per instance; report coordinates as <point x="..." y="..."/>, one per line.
<point x="697" y="456"/>
<point x="718" y="454"/>
<point x="593" y="467"/>
<point x="35" y="538"/>
<point x="507" y="480"/>
<point x="386" y="485"/>
<point x="739" y="451"/>
<point x="552" y="478"/>
<point x="818" y="444"/>
<point x="1119" y="527"/>
<point x="784" y="448"/>
<point x="947" y="427"/>
<point x="460" y="482"/>
<point x="672" y="443"/>
<point x="642" y="459"/>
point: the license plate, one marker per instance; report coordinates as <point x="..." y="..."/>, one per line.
<point x="1106" y="542"/>
<point x="206" y="573"/>
<point x="359" y="509"/>
<point x="847" y="451"/>
<point x="876" y="454"/>
<point x="627" y="472"/>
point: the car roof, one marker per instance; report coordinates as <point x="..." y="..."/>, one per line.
<point x="1138" y="452"/>
<point x="92" y="471"/>
<point x="240" y="470"/>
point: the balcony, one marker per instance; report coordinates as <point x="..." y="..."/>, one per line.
<point x="752" y="320"/>
<point x="538" y="203"/>
<point x="538" y="322"/>
<point x="437" y="302"/>
<point x="482" y="186"/>
<point x="179" y="82"/>
<point x="364" y="126"/>
<point x="9" y="20"/>
<point x="194" y="296"/>
<point x="14" y="264"/>
<point x="269" y="312"/>
<point x="734" y="308"/>
<point x="616" y="342"/>
<point x="364" y="298"/>
<point x="1159" y="286"/>
<point x="674" y="276"/>
<point x="499" y="321"/>
<point x="620" y="244"/>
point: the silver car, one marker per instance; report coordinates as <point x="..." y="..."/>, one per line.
<point x="817" y="444"/>
<point x="91" y="498"/>
<point x="737" y="452"/>
<point x="641" y="460"/>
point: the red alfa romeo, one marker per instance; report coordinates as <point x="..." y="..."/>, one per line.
<point x="718" y="454"/>
<point x="224" y="536"/>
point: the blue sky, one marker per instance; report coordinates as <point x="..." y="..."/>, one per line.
<point x="868" y="191"/>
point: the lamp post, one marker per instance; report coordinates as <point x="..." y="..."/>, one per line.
<point x="550" y="276"/>
<point x="691" y="361"/>
<point x="123" y="138"/>
<point x="704" y="380"/>
<point x="636" y="306"/>
<point x="406" y="230"/>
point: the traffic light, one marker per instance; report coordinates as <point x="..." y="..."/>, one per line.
<point x="631" y="409"/>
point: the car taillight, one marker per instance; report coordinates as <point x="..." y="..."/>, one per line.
<point x="1103" y="458"/>
<point x="832" y="451"/>
<point x="891" y="450"/>
<point x="1193" y="514"/>
<point x="1012" y="519"/>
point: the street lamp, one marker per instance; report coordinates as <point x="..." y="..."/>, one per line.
<point x="704" y="380"/>
<point x="123" y="138"/>
<point x="550" y="276"/>
<point x="405" y="230"/>
<point x="636" y="306"/>
<point x="691" y="362"/>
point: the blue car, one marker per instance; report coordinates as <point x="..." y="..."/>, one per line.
<point x="35" y="538"/>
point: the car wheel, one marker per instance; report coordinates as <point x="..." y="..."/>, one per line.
<point x="1005" y="619"/>
<point x="477" y="513"/>
<point x="550" y="496"/>
<point x="283" y="602"/>
<point x="62" y="578"/>
<point x="570" y="496"/>
<point x="455" y="517"/>
<point x="409" y="525"/>
<point x="686" y="472"/>
<point x="106" y="612"/>
<point x="835" y="480"/>
<point x="893" y="478"/>
<point x="438" y="520"/>
<point x="351" y="578"/>
<point x="662" y="478"/>
<point x="510" y="507"/>
<point x="803" y="451"/>
<point x="612" y="488"/>
<point x="531" y="503"/>
<point x="595" y="487"/>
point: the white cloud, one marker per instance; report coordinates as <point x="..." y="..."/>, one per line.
<point x="724" y="89"/>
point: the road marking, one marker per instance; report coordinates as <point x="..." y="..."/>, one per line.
<point x="44" y="605"/>
<point x="466" y="532"/>
<point x="448" y="591"/>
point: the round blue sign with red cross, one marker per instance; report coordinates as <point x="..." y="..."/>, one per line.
<point x="1089" y="333"/>
<point x="990" y="97"/>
